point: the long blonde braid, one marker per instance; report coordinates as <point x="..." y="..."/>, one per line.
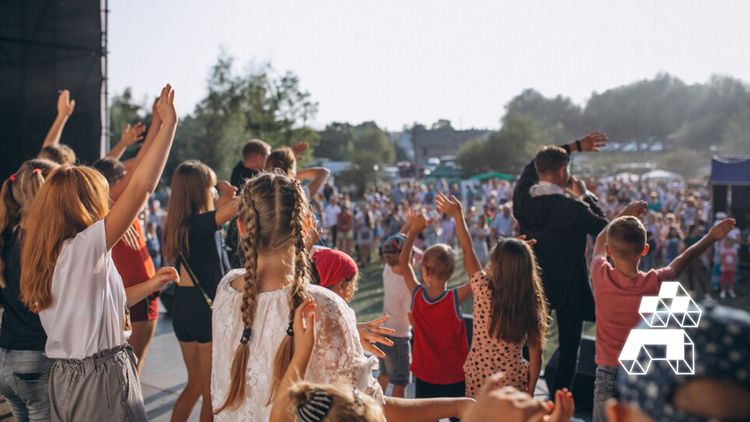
<point x="249" y="220"/>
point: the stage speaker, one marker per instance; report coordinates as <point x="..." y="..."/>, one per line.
<point x="583" y="384"/>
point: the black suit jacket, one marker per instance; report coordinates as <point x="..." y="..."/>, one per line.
<point x="560" y="225"/>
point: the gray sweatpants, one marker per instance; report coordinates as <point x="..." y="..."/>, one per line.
<point x="102" y="387"/>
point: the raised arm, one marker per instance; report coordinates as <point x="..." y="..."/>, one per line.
<point x="146" y="176"/>
<point x="417" y="223"/>
<point x="719" y="231"/>
<point x="153" y="129"/>
<point x="65" y="107"/>
<point x="317" y="177"/>
<point x="452" y="206"/>
<point x="130" y="135"/>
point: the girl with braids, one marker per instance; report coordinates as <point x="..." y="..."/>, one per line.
<point x="22" y="337"/>
<point x="254" y="307"/>
<point x="193" y="242"/>
<point x="68" y="278"/>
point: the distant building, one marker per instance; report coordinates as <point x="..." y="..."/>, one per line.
<point x="422" y="144"/>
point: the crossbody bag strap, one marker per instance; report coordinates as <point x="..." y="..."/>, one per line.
<point x="197" y="283"/>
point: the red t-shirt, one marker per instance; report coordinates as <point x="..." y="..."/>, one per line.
<point x="134" y="265"/>
<point x="440" y="343"/>
<point x="618" y="298"/>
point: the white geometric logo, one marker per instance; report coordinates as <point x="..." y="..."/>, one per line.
<point x="658" y="342"/>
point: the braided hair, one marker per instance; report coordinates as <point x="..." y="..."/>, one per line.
<point x="273" y="214"/>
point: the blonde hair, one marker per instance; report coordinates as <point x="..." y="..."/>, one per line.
<point x="282" y="159"/>
<point x="71" y="199"/>
<point x="438" y="261"/>
<point x="190" y="194"/>
<point x="273" y="212"/>
<point x="346" y="403"/>
<point x="16" y="195"/>
<point x="519" y="306"/>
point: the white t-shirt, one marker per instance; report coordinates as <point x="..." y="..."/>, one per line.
<point x="331" y="215"/>
<point x="396" y="302"/>
<point x="89" y="307"/>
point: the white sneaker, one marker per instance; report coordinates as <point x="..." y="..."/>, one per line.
<point x="723" y="294"/>
<point x="731" y="294"/>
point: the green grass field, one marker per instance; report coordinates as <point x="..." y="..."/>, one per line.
<point x="368" y="301"/>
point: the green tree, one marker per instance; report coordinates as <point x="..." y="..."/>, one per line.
<point x="123" y="111"/>
<point x="336" y="142"/>
<point x="371" y="152"/>
<point x="257" y="104"/>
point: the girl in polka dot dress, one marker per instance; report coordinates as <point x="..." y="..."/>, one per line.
<point x="510" y="311"/>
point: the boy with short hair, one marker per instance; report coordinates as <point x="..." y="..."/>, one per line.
<point x="394" y="369"/>
<point x="618" y="289"/>
<point x="440" y="342"/>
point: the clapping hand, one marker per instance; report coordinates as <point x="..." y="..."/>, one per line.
<point x="593" y="142"/>
<point x="451" y="206"/>
<point x="132" y="134"/>
<point x="373" y="332"/>
<point x="165" y="105"/>
<point x="65" y="105"/>
<point x="721" y="229"/>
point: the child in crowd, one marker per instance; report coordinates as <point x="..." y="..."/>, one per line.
<point x="254" y="308"/>
<point x="510" y="311"/>
<point x="194" y="244"/>
<point x="619" y="287"/>
<point x="394" y="369"/>
<point x="22" y="338"/>
<point x="728" y="257"/>
<point x="440" y="340"/>
<point x="67" y="267"/>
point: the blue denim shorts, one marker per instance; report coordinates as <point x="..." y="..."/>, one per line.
<point x="24" y="381"/>
<point x="396" y="365"/>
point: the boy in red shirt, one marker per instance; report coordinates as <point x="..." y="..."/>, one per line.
<point x="440" y="342"/>
<point x="618" y="290"/>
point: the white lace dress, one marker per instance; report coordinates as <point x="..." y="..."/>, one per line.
<point x="337" y="355"/>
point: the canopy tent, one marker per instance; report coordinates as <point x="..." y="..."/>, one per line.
<point x="445" y="172"/>
<point x="730" y="171"/>
<point x="493" y="175"/>
<point x="624" y="177"/>
<point x="659" y="175"/>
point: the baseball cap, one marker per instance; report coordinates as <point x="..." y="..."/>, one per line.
<point x="333" y="266"/>
<point x="722" y="351"/>
<point x="394" y="244"/>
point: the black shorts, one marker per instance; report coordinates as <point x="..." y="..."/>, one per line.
<point x="191" y="316"/>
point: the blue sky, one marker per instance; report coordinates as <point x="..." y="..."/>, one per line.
<point x="397" y="62"/>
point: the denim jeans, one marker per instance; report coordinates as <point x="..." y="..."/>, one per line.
<point x="24" y="376"/>
<point x="604" y="389"/>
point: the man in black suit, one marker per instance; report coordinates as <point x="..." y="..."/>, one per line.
<point x="560" y="213"/>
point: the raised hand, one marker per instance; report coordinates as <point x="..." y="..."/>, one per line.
<point x="593" y="142"/>
<point x="65" y="105"/>
<point x="721" y="229"/>
<point x="132" y="134"/>
<point x="300" y="148"/>
<point x="418" y="222"/>
<point x="226" y="189"/>
<point x="372" y="332"/>
<point x="635" y="209"/>
<point x="304" y="328"/>
<point x="451" y="206"/>
<point x="165" y="105"/>
<point x="164" y="276"/>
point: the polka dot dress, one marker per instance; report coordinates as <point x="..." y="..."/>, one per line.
<point x="489" y="355"/>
